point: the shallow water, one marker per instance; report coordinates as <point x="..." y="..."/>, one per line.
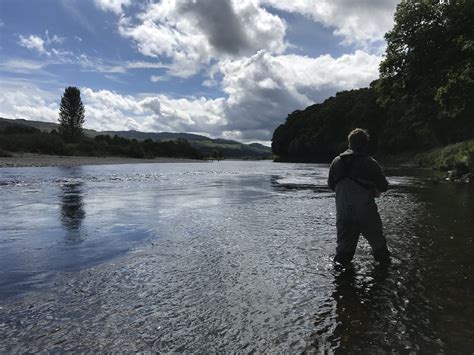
<point x="228" y="257"/>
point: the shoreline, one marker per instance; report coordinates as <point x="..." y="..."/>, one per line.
<point x="29" y="160"/>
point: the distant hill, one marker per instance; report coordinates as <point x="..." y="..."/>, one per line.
<point x="156" y="136"/>
<point x="42" y="126"/>
<point x="205" y="145"/>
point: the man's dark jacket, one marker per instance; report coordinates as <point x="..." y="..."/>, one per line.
<point x="356" y="178"/>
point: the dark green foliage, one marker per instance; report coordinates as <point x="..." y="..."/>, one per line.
<point x="320" y="131"/>
<point x="156" y="136"/>
<point x="5" y="154"/>
<point x="449" y="157"/>
<point x="19" y="138"/>
<point x="146" y="149"/>
<point x="217" y="154"/>
<point x="71" y="114"/>
<point x="427" y="78"/>
<point x="179" y="148"/>
<point x="423" y="99"/>
<point x="204" y="145"/>
<point x="231" y="149"/>
<point x="34" y="142"/>
<point x="19" y="129"/>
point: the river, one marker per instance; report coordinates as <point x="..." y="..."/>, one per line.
<point x="227" y="257"/>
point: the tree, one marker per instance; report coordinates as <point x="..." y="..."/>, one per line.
<point x="427" y="78"/>
<point x="71" y="114"/>
<point x="217" y="154"/>
<point x="319" y="132"/>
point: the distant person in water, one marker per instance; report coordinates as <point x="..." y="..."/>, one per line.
<point x="357" y="179"/>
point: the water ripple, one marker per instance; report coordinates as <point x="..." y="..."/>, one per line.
<point x="235" y="257"/>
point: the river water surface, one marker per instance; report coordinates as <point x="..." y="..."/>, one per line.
<point x="227" y="257"/>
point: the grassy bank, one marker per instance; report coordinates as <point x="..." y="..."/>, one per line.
<point x="458" y="157"/>
<point x="454" y="156"/>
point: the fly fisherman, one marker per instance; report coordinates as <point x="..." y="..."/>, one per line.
<point x="357" y="179"/>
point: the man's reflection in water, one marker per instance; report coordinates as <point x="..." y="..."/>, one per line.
<point x="361" y="320"/>
<point x="72" y="210"/>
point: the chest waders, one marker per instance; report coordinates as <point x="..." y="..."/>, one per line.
<point x="357" y="213"/>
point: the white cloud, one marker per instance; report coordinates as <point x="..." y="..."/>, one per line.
<point x="34" y="43"/>
<point x="25" y="100"/>
<point x="22" y="65"/>
<point x="96" y="64"/>
<point x="115" y="6"/>
<point x="111" y="111"/>
<point x="39" y="43"/>
<point x="260" y="91"/>
<point x="115" y="79"/>
<point x="361" y="22"/>
<point x="86" y="62"/>
<point x="193" y="33"/>
<point x="101" y="66"/>
<point x="145" y="65"/>
<point x="108" y="99"/>
<point x="53" y="39"/>
<point x="263" y="89"/>
<point x="156" y="78"/>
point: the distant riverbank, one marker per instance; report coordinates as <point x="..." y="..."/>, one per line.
<point x="38" y="160"/>
<point x="455" y="159"/>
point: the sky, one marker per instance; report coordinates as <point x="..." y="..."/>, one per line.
<point x="230" y="69"/>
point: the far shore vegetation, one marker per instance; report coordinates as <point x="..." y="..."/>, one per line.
<point x="69" y="138"/>
<point x="421" y="107"/>
<point x="25" y="136"/>
<point x="19" y="138"/>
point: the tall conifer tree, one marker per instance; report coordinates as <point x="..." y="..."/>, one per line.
<point x="71" y="114"/>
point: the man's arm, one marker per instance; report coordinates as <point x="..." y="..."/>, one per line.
<point x="378" y="177"/>
<point x="331" y="179"/>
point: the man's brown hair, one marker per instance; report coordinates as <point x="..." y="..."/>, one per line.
<point x="358" y="140"/>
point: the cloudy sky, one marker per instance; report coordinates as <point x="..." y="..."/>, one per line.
<point x="224" y="68"/>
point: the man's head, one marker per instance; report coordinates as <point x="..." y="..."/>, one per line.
<point x="358" y="140"/>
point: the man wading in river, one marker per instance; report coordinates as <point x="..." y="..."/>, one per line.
<point x="357" y="179"/>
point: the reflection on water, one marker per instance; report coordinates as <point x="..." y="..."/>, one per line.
<point x="72" y="209"/>
<point x="362" y="318"/>
<point x="228" y="257"/>
<point x="421" y="303"/>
